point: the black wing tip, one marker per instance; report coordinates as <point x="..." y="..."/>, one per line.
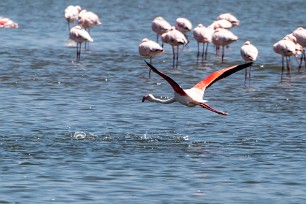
<point x="150" y="65"/>
<point x="243" y="66"/>
<point x="249" y="64"/>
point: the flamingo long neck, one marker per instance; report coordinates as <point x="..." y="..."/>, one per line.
<point x="164" y="101"/>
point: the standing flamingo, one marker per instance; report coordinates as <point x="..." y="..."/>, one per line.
<point x="300" y="34"/>
<point x="72" y="14"/>
<point x="248" y="53"/>
<point x="298" y="48"/>
<point x="194" y="96"/>
<point x="149" y="48"/>
<point x="222" y="23"/>
<point x="160" y="26"/>
<point x="229" y="17"/>
<point x="223" y="37"/>
<point x="79" y="35"/>
<point x="183" y="25"/>
<point x="175" y="38"/>
<point x="202" y="35"/>
<point x="87" y="20"/>
<point x="286" y="48"/>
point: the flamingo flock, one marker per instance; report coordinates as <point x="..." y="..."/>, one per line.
<point x="83" y="21"/>
<point x="219" y="33"/>
<point x="292" y="44"/>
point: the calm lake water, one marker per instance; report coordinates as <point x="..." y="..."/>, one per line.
<point x="77" y="132"/>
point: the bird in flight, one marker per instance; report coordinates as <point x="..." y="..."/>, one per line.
<point x="194" y="96"/>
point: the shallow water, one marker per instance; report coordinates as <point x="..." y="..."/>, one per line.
<point x="78" y="132"/>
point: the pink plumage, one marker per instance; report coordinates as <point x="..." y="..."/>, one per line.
<point x="79" y="35"/>
<point x="193" y="96"/>
<point x="223" y="37"/>
<point x="229" y="17"/>
<point x="300" y="34"/>
<point x="88" y="19"/>
<point x="175" y="38"/>
<point x="149" y="48"/>
<point x="202" y="35"/>
<point x="222" y="23"/>
<point x="286" y="48"/>
<point x="183" y="25"/>
<point x="7" y="23"/>
<point x="248" y="53"/>
<point x="160" y="26"/>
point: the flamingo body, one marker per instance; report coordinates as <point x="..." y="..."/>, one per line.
<point x="79" y="35"/>
<point x="286" y="48"/>
<point x="7" y="23"/>
<point x="223" y="37"/>
<point x="149" y="48"/>
<point x="300" y="34"/>
<point x="222" y="23"/>
<point x="202" y="35"/>
<point x="183" y="25"/>
<point x="88" y="19"/>
<point x="175" y="38"/>
<point x="248" y="53"/>
<point x="229" y="17"/>
<point x="160" y="26"/>
<point x="72" y="13"/>
<point x="193" y="96"/>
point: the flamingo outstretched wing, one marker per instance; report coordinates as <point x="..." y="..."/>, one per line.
<point x="177" y="88"/>
<point x="220" y="74"/>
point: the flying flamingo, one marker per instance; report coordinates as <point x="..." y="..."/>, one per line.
<point x="223" y="37"/>
<point x="229" y="17"/>
<point x="79" y="35"/>
<point x="72" y="14"/>
<point x="183" y="25"/>
<point x="160" y="26"/>
<point x="286" y="48"/>
<point x="149" y="48"/>
<point x="175" y="38"/>
<point x="194" y="96"/>
<point x="87" y="20"/>
<point x="202" y="35"/>
<point x="300" y="34"/>
<point x="248" y="53"/>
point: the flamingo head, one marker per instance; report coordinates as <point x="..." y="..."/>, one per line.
<point x="147" y="97"/>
